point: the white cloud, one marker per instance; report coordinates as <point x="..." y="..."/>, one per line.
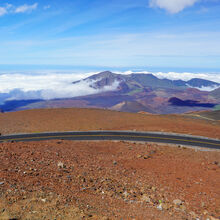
<point x="206" y="88"/>
<point x="37" y="81"/>
<point x="11" y="9"/>
<point x="48" y="86"/>
<point x="26" y="8"/>
<point x="172" y="6"/>
<point x="67" y="90"/>
<point x="3" y="11"/>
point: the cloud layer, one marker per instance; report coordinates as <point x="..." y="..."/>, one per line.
<point x="47" y="86"/>
<point x="172" y="6"/>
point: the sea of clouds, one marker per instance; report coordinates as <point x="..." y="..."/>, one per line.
<point x="54" y="84"/>
<point x="47" y="85"/>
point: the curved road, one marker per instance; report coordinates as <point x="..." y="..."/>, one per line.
<point x="118" y="135"/>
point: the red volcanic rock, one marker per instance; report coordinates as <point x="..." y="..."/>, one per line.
<point x="101" y="180"/>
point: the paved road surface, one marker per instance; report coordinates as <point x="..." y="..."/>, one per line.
<point x="118" y="135"/>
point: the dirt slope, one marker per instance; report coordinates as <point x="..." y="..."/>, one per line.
<point x="95" y="119"/>
<point x="107" y="180"/>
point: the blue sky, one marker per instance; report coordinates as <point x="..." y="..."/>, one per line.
<point x="113" y="33"/>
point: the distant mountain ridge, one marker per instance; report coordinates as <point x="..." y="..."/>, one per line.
<point x="141" y="80"/>
<point x="199" y="83"/>
<point x="135" y="92"/>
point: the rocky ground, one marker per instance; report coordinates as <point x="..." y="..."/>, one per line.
<point x="73" y="119"/>
<point x="107" y="180"/>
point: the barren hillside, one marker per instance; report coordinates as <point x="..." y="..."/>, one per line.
<point x="76" y="119"/>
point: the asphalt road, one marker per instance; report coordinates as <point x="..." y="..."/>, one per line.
<point x="117" y="135"/>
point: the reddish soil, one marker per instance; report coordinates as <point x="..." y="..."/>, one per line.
<point x="70" y="119"/>
<point x="107" y="180"/>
